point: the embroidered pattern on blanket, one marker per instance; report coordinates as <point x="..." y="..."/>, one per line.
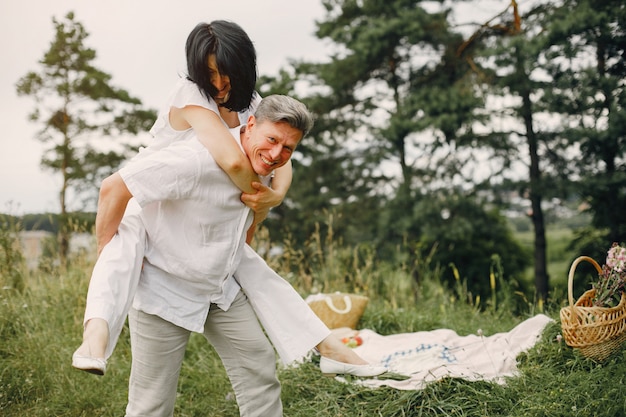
<point x="428" y="356"/>
<point x="410" y="361"/>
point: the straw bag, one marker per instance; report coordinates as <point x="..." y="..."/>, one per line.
<point x="597" y="332"/>
<point x="338" y="309"/>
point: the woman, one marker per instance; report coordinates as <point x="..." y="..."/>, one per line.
<point x="218" y="93"/>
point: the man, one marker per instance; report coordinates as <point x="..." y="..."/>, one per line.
<point x="196" y="226"/>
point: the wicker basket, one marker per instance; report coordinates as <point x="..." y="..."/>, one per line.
<point x="338" y="309"/>
<point x="597" y="332"/>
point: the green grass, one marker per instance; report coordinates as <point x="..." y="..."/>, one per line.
<point x="40" y="326"/>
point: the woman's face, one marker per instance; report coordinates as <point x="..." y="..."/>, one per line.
<point x="220" y="82"/>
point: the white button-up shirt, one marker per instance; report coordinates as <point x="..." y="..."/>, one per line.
<point x="196" y="226"/>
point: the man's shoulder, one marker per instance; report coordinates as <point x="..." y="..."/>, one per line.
<point x="190" y="145"/>
<point x="188" y="152"/>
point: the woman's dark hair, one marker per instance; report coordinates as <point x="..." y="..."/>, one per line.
<point x="235" y="56"/>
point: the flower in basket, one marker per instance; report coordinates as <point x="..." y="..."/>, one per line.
<point x="611" y="281"/>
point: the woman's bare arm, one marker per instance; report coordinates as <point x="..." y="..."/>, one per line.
<point x="212" y="133"/>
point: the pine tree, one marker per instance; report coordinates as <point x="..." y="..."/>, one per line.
<point x="79" y="112"/>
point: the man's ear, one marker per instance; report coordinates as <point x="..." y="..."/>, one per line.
<point x="247" y="129"/>
<point x="251" y="122"/>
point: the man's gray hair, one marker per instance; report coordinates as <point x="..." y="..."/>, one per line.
<point x="280" y="108"/>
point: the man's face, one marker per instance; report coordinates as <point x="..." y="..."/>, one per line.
<point x="269" y="145"/>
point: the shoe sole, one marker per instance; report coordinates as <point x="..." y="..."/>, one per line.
<point x="87" y="365"/>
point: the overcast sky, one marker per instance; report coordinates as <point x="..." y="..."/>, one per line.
<point x="141" y="44"/>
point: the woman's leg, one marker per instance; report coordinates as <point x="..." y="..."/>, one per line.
<point x="112" y="286"/>
<point x="291" y="325"/>
<point x="158" y="349"/>
<point x="248" y="357"/>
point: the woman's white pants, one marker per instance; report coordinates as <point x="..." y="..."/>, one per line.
<point x="116" y="274"/>
<point x="291" y="325"/>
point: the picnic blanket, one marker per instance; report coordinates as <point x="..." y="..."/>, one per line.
<point x="433" y="355"/>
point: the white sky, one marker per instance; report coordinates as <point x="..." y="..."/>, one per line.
<point x="141" y="44"/>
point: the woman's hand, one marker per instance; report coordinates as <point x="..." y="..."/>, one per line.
<point x="263" y="200"/>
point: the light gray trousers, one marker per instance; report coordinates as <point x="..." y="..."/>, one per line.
<point x="158" y="348"/>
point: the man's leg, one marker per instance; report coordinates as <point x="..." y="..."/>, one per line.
<point x="248" y="357"/>
<point x="158" y="348"/>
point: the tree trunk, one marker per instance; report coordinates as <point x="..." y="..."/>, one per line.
<point x="64" y="231"/>
<point x="535" y="191"/>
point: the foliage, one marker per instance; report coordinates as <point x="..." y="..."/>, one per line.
<point x="76" y="106"/>
<point x="585" y="58"/>
<point x="49" y="222"/>
<point x="370" y="107"/>
<point x="516" y="133"/>
<point x="529" y="104"/>
<point x="463" y="234"/>
<point x="12" y="262"/>
<point x="325" y="264"/>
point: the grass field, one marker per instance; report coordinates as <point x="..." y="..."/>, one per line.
<point x="40" y="326"/>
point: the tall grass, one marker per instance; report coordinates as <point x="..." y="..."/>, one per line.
<point x="40" y="326"/>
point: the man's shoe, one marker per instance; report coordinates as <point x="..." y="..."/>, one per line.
<point x="95" y="366"/>
<point x="330" y="367"/>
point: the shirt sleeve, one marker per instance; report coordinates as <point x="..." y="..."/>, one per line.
<point x="168" y="174"/>
<point x="185" y="93"/>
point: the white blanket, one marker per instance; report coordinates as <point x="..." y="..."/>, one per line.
<point x="434" y="355"/>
